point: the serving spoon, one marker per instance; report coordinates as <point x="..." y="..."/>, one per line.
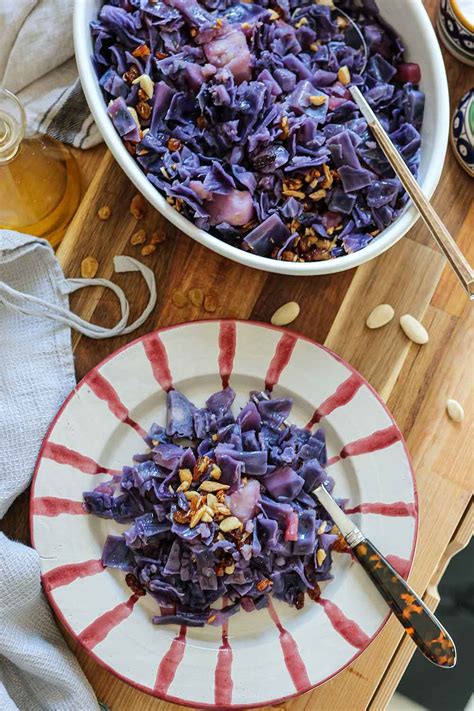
<point x="436" y="226"/>
<point x="419" y="622"/>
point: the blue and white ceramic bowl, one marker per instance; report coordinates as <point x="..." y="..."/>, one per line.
<point x="462" y="132"/>
<point x="456" y="28"/>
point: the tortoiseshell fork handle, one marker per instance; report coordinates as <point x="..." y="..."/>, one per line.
<point x="419" y="623"/>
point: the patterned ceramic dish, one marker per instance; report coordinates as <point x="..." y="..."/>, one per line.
<point x="456" y="28"/>
<point x="263" y="657"/>
<point x="411" y="22"/>
<point x="462" y="132"/>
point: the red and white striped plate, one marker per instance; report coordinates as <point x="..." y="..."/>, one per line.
<point x="266" y="656"/>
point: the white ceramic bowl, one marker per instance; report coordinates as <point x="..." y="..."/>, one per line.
<point x="411" y="21"/>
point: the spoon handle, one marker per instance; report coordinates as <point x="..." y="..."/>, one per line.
<point x="422" y="626"/>
<point x="425" y="630"/>
<point x="438" y="229"/>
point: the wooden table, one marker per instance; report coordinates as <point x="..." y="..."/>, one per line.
<point x="415" y="381"/>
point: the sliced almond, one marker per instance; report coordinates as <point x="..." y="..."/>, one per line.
<point x="380" y="316"/>
<point x="322" y="528"/>
<point x="231" y="523"/>
<point x="146" y="84"/>
<point x="286" y="314"/>
<point x="89" y="267"/>
<point x="414" y="330"/>
<point x="318" y="100"/>
<point x="185" y="475"/>
<point x="318" y="195"/>
<point x="212" y="501"/>
<point x="197" y="517"/>
<point x="229" y="569"/>
<point x="344" y="75"/>
<point x="134" y="115"/>
<point x="215" y="473"/>
<point x="320" y="557"/>
<point x="192" y="495"/>
<point x="213" y="486"/>
<point x="455" y="410"/>
<point x="184" y="486"/>
<point x="206" y="517"/>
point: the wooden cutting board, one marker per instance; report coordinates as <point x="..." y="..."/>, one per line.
<point x="415" y="381"/>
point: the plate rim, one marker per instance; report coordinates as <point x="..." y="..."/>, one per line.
<point x="55" y="606"/>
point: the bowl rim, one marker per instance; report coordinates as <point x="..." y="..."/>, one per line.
<point x="382" y="243"/>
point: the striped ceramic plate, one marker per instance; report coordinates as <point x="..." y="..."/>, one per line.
<point x="266" y="656"/>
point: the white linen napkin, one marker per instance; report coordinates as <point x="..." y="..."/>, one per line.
<point x="37" y="670"/>
<point x="37" y="63"/>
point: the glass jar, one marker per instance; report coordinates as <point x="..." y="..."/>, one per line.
<point x="40" y="183"/>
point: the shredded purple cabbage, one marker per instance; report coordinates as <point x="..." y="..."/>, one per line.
<point x="259" y="531"/>
<point x="247" y="126"/>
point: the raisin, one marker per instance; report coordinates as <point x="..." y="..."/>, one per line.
<point x="299" y="601"/>
<point x="134" y="585"/>
<point x="314" y="593"/>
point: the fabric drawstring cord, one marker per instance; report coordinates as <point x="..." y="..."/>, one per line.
<point x="34" y="306"/>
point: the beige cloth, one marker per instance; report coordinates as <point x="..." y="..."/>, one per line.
<point x="37" y="63"/>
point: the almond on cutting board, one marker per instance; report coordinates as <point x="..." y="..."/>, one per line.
<point x="286" y="314"/>
<point x="455" y="410"/>
<point x="380" y="316"/>
<point x="414" y="330"/>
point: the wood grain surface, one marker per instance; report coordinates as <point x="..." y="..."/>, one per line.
<point x="415" y="381"/>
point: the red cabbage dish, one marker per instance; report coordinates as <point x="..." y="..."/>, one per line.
<point x="240" y="114"/>
<point x="221" y="511"/>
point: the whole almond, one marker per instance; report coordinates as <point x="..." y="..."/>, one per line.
<point x="415" y="331"/>
<point x="89" y="267"/>
<point x="380" y="316"/>
<point x="286" y="314"/>
<point x="455" y="410"/>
